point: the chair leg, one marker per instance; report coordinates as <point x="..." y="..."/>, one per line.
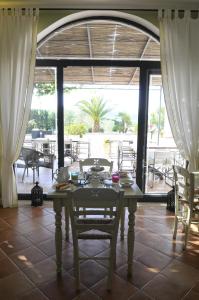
<point x="175" y="227"/>
<point x="111" y="265"/>
<point x="122" y="224"/>
<point x="76" y="264"/>
<point x="186" y="237"/>
<point x="24" y="174"/>
<point x="114" y="255"/>
<point x="187" y="230"/>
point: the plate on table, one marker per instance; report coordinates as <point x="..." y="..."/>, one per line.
<point x="108" y="182"/>
<point x="62" y="187"/>
<point x="126" y="182"/>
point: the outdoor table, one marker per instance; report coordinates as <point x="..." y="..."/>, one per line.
<point x="61" y="198"/>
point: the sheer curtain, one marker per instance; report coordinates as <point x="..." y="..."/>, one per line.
<point x="18" y="33"/>
<point x="179" y="50"/>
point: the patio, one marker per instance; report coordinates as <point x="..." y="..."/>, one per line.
<point x="120" y="148"/>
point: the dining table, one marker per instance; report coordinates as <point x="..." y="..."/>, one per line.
<point x="61" y="200"/>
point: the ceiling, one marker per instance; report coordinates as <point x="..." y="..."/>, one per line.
<point x="97" y="40"/>
<point x="103" y="4"/>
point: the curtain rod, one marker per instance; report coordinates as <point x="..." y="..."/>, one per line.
<point x="105" y="9"/>
<point x="78" y="9"/>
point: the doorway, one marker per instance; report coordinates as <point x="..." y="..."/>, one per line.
<point x="108" y="46"/>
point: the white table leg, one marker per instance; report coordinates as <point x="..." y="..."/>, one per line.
<point x="122" y="224"/>
<point x="131" y="238"/>
<point x="58" y="235"/>
<point x="66" y="223"/>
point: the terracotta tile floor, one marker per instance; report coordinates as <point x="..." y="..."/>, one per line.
<point x="161" y="270"/>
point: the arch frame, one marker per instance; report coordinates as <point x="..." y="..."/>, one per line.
<point x="94" y="15"/>
<point x="146" y="67"/>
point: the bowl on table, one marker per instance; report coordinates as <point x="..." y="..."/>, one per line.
<point x="123" y="174"/>
<point x="97" y="169"/>
<point x="126" y="182"/>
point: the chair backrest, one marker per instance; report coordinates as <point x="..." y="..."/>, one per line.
<point x="184" y="185"/>
<point x="91" y="217"/>
<point x="30" y="156"/>
<point x="89" y="162"/>
<point x="82" y="149"/>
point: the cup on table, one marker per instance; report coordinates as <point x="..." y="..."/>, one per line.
<point x="74" y="177"/>
<point x="115" y="178"/>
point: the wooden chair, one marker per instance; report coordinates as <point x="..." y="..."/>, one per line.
<point x="186" y="200"/>
<point x="91" y="224"/>
<point x="102" y="162"/>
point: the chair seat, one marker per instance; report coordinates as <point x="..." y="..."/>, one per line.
<point x="94" y="221"/>
<point x="92" y="236"/>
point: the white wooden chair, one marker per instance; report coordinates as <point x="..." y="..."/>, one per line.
<point x="91" y="224"/>
<point x="108" y="165"/>
<point x="102" y="162"/>
<point x="186" y="200"/>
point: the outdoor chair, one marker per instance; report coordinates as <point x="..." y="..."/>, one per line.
<point x="69" y="151"/>
<point x="81" y="149"/>
<point x="186" y="200"/>
<point x="126" y="158"/>
<point x="30" y="157"/>
<point x="159" y="165"/>
<point x="46" y="160"/>
<point x="33" y="159"/>
<point x="89" y="223"/>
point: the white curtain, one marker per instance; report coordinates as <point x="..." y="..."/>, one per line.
<point x="179" y="50"/>
<point x="18" y="33"/>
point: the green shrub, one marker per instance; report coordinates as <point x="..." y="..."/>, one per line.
<point x="75" y="129"/>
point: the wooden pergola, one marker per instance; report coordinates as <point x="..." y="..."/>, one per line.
<point x="98" y="40"/>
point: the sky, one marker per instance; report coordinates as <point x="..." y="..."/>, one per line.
<point x="119" y="99"/>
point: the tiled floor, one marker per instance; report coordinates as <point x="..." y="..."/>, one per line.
<point x="160" y="270"/>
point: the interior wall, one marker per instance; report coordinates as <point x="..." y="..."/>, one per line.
<point x="48" y="17"/>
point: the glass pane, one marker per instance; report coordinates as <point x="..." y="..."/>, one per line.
<point x="37" y="159"/>
<point x="161" y="149"/>
<point x="101" y="115"/>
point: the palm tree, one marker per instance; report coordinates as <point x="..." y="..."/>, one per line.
<point x="95" y="109"/>
<point x="122" y="122"/>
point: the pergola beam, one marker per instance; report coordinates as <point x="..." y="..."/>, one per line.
<point x="141" y="56"/>
<point x="90" y="50"/>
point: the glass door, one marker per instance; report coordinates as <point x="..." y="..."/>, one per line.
<point x="161" y="152"/>
<point x="38" y="157"/>
<point x="101" y="115"/>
